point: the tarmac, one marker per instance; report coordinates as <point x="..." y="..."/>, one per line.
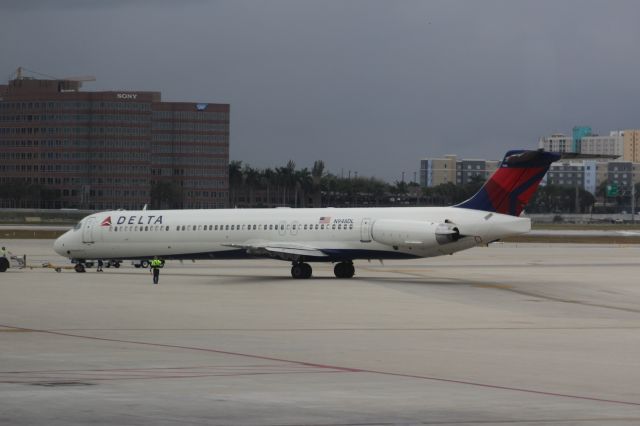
<point x="510" y="334"/>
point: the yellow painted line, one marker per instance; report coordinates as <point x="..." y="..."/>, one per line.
<point x="14" y="330"/>
<point x="498" y="286"/>
<point x="399" y="271"/>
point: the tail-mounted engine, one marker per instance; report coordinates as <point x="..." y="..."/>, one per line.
<point x="413" y="232"/>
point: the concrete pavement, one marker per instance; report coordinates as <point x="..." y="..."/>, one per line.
<point x="511" y="334"/>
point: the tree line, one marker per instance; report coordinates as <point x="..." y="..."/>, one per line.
<point x="289" y="186"/>
<point x="292" y="187"/>
<point x="316" y="187"/>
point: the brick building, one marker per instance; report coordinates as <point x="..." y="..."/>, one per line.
<point x="61" y="147"/>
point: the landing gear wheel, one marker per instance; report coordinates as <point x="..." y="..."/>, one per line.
<point x="144" y="264"/>
<point x="4" y="264"/>
<point x="301" y="270"/>
<point x="79" y="267"/>
<point x="116" y="264"/>
<point x="297" y="271"/>
<point x="306" y="270"/>
<point x="344" y="270"/>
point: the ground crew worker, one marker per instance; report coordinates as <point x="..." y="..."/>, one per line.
<point x="99" y="269"/>
<point x="156" y="264"/>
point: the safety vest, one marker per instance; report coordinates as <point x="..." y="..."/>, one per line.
<point x="156" y="263"/>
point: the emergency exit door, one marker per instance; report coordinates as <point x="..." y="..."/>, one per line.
<point x="87" y="230"/>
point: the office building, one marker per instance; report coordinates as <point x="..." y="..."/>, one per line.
<point x="557" y="142"/>
<point x="436" y="171"/>
<point x="67" y="148"/>
<point x="631" y="150"/>
<point x="612" y="145"/>
<point x="448" y="169"/>
<point x="577" y="133"/>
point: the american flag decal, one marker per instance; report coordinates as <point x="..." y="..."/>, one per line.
<point x="325" y="220"/>
<point x="106" y="222"/>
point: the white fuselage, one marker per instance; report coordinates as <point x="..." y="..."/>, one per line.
<point x="339" y="233"/>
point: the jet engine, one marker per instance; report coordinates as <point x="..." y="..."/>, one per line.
<point x="395" y="232"/>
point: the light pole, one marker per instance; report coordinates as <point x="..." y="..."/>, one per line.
<point x="633" y="200"/>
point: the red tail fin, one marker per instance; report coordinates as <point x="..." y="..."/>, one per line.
<point x="511" y="187"/>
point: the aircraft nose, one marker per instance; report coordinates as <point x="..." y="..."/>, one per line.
<point x="59" y="245"/>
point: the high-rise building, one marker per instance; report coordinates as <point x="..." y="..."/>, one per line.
<point x="469" y="170"/>
<point x="631" y="146"/>
<point x="612" y="145"/>
<point x="624" y="144"/>
<point x="577" y="134"/>
<point x="67" y="148"/>
<point x="436" y="171"/>
<point x="557" y="142"/>
<point x="566" y="173"/>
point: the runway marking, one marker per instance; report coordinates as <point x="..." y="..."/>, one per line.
<point x="355" y="329"/>
<point x="339" y="368"/>
<point x="479" y="422"/>
<point x="575" y="302"/>
<point x="73" y="376"/>
<point x="415" y="268"/>
<point x="511" y="288"/>
<point x="13" y="330"/>
<point x="496" y="286"/>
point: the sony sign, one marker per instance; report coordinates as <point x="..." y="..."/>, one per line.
<point x="127" y="95"/>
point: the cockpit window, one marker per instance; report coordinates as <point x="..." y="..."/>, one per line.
<point x="78" y="226"/>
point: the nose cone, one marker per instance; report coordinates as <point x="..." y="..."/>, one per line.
<point x="59" y="245"/>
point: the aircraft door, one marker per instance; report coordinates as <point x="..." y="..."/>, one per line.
<point x="365" y="230"/>
<point x="87" y="230"/>
<point x="282" y="229"/>
<point x="294" y="227"/>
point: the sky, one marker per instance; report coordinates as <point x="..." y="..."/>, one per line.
<point x="366" y="86"/>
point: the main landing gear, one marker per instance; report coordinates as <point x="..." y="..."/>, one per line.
<point x="344" y="270"/>
<point x="301" y="270"/>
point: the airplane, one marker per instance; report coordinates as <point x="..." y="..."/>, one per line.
<point x="300" y="236"/>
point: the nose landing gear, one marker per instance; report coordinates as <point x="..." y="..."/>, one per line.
<point x="4" y="263"/>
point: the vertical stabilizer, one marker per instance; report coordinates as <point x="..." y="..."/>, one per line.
<point x="512" y="185"/>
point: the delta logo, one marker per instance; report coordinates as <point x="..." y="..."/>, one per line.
<point x="106" y="222"/>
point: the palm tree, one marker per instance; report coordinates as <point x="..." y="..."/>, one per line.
<point x="269" y="180"/>
<point x="303" y="185"/>
<point x="286" y="180"/>
<point x="251" y="182"/>
<point x="235" y="180"/>
<point x="316" y="176"/>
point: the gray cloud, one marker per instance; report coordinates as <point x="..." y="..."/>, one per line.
<point x="368" y="86"/>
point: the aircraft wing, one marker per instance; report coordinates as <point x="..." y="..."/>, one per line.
<point x="286" y="251"/>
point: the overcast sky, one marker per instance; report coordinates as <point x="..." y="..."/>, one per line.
<point x="366" y="86"/>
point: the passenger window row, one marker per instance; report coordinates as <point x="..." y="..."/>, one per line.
<point x="252" y="227"/>
<point x="265" y="227"/>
